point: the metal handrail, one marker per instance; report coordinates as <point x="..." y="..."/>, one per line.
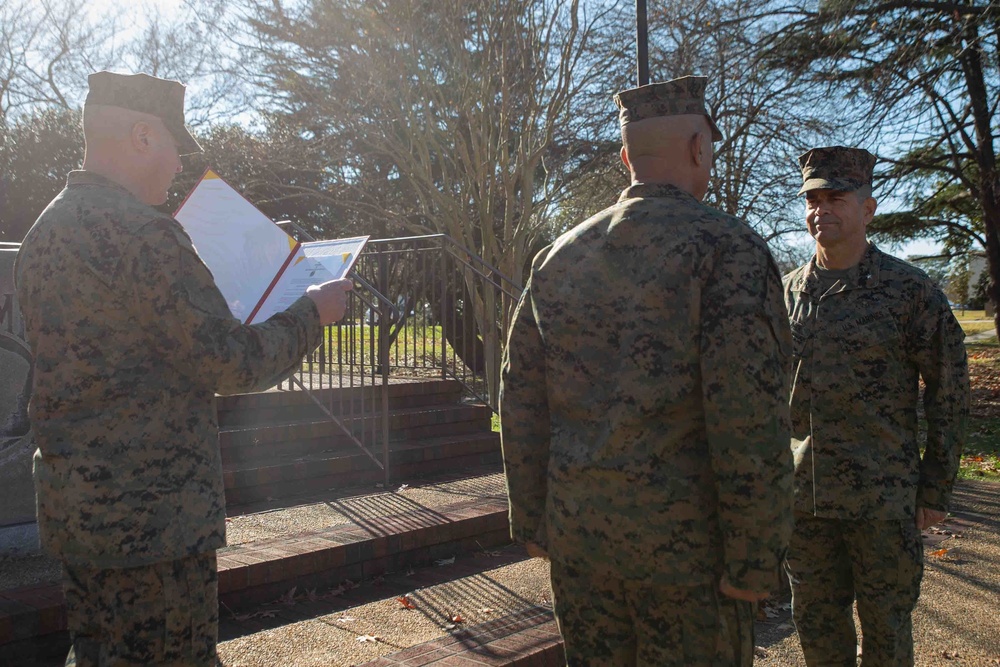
<point x="517" y="287"/>
<point x="453" y="310"/>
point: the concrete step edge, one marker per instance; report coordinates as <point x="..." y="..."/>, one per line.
<point x="350" y="450"/>
<point x="249" y="574"/>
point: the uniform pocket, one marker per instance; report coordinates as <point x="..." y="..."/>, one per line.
<point x="866" y="331"/>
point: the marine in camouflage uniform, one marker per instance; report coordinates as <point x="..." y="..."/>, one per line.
<point x="644" y="415"/>
<point x="864" y="335"/>
<point x="131" y="342"/>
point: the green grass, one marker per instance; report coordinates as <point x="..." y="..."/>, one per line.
<point x="418" y="346"/>
<point x="976" y="327"/>
<point x="981" y="458"/>
<point x="496" y="423"/>
<point x="963" y="315"/>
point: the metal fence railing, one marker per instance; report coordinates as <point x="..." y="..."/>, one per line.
<point x="423" y="308"/>
<point x="453" y="310"/>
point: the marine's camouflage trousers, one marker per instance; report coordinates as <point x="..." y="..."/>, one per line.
<point x="831" y="562"/>
<point x="161" y="614"/>
<point x="621" y="623"/>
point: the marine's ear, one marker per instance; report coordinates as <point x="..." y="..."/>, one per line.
<point x="697" y="148"/>
<point x="869" y="206"/>
<point x="624" y="156"/>
<point x="140" y="135"/>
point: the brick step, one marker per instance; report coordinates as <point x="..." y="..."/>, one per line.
<point x="528" y="638"/>
<point x="241" y="410"/>
<point x="253" y="481"/>
<point x="296" y="438"/>
<point x="501" y="596"/>
<point x="468" y="482"/>
<point x="266" y="569"/>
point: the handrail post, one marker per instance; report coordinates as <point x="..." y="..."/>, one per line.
<point x="442" y="260"/>
<point x="383" y="359"/>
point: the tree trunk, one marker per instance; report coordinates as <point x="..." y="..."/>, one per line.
<point x="989" y="187"/>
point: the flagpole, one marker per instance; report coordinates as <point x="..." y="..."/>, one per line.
<point x="641" y="43"/>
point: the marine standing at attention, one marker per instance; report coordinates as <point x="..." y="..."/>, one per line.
<point x="866" y="328"/>
<point x="644" y="408"/>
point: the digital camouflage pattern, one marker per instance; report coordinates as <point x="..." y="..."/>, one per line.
<point x="644" y="398"/>
<point x="161" y="614"/>
<point x="863" y="338"/>
<point x="676" y="97"/>
<point x="610" y="622"/>
<point x="831" y="560"/>
<point x="836" y="168"/>
<point x="860" y="349"/>
<point x="132" y="340"/>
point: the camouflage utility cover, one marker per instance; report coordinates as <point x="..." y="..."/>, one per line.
<point x="836" y="168"/>
<point x="860" y="349"/>
<point x="131" y="341"/>
<point x="678" y="97"/>
<point x="147" y="94"/>
<point x="644" y="398"/>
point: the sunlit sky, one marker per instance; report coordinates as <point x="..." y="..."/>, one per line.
<point x="136" y="8"/>
<point x="167" y="7"/>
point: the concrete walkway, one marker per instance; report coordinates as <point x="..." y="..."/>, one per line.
<point x="980" y="337"/>
<point x="957" y="620"/>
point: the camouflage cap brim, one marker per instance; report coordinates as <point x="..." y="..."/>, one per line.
<point x="186" y="143"/>
<point x="716" y="133"/>
<point x="842" y="184"/>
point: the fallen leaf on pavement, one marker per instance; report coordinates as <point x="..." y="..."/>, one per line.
<point x="407" y="602"/>
<point x="940" y="553"/>
<point x="445" y="561"/>
<point x="346" y="619"/>
<point x="264" y="613"/>
<point x="288" y="599"/>
<point x="486" y="552"/>
<point x="457" y="618"/>
<point x="367" y="638"/>
<point x="403" y="487"/>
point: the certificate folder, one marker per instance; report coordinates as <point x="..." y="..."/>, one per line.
<point x="259" y="269"/>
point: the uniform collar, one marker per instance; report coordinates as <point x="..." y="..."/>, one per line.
<point x="863" y="275"/>
<point x="83" y="177"/>
<point x="646" y="190"/>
